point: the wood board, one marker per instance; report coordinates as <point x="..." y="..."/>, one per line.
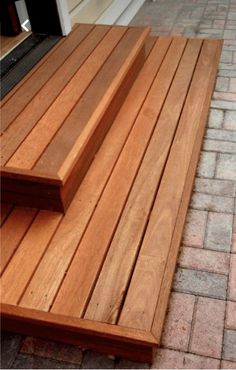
<point x="100" y="275"/>
<point x="54" y="122"/>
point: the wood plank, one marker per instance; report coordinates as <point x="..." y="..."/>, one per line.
<point x="28" y="118"/>
<point x="64" y="244"/>
<point x="27" y="256"/>
<point x="166" y="284"/>
<point x="106" y="338"/>
<point x="148" y="274"/>
<point x="95" y="140"/>
<point x="90" y="113"/>
<point x="28" y="153"/>
<point x="5" y="211"/>
<point x="18" y="102"/>
<point x="75" y="291"/>
<point x="13" y="232"/>
<point x="117" y="269"/>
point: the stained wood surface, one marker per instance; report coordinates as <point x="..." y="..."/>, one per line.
<point x="100" y="275"/>
<point x="50" y="123"/>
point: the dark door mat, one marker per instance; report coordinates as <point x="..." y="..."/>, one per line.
<point x="20" y="61"/>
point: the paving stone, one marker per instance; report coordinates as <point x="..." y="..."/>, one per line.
<point x="177" y="326"/>
<point x="230" y="120"/>
<point x="232" y="278"/>
<point x="205" y="260"/>
<point x="93" y="360"/>
<point x="10" y="345"/>
<point x="24" y="361"/>
<point x="226" y="167"/>
<point x="222" y="104"/>
<point x="226" y="56"/>
<point x="219" y="146"/>
<point x="200" y="283"/>
<point x="228" y="365"/>
<point x="170" y="359"/>
<point x="222" y="83"/>
<point x="126" y="364"/>
<point x="195" y="228"/>
<point x="213" y="203"/>
<point x="232" y="85"/>
<point x="53" y="350"/>
<point x="230" y="322"/>
<point x="215" y="187"/>
<point x="229" y="346"/>
<point x="219" y="232"/>
<point x="221" y="135"/>
<point x="229" y="34"/>
<point x="207" y="164"/>
<point x="233" y="249"/>
<point x="216" y="118"/>
<point x="209" y="324"/>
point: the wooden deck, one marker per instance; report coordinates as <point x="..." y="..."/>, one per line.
<point x="100" y="275"/>
<point x="55" y="122"/>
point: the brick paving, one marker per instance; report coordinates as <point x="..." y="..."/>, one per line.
<point x="200" y="328"/>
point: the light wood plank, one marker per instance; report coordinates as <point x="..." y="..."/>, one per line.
<point x="148" y="274"/>
<point x="38" y="139"/>
<point x="82" y="274"/>
<point x="111" y="286"/>
<point x="13" y="231"/>
<point x="84" y="115"/>
<point x="29" y="252"/>
<point x="68" y="236"/>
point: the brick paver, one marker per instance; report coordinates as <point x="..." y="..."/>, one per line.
<point x="199" y="331"/>
<point x="207" y="334"/>
<point x="177" y="328"/>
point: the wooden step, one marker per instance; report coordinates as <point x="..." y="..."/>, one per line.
<point x="100" y="275"/>
<point x="55" y="121"/>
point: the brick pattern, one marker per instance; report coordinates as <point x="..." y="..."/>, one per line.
<point x="200" y="328"/>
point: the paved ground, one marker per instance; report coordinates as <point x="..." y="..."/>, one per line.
<point x="200" y="329"/>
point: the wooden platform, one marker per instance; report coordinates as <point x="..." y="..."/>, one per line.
<point x="56" y="120"/>
<point x="100" y="275"/>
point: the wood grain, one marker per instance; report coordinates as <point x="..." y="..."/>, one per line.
<point x="40" y="75"/>
<point x="63" y="246"/>
<point x="166" y="284"/>
<point x="27" y="256"/>
<point x="148" y="274"/>
<point x="73" y="297"/>
<point x="13" y="231"/>
<point x="112" y="283"/>
<point x="28" y="153"/>
<point x="108" y="339"/>
<point x="80" y="117"/>
<point x="37" y="106"/>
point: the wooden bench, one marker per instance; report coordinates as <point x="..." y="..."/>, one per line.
<point x="100" y="275"/>
<point x="56" y="120"/>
